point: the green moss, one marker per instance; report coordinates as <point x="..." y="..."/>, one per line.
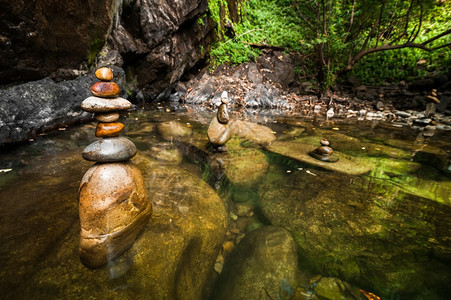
<point x="94" y="48"/>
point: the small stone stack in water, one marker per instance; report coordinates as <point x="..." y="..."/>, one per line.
<point x="324" y="152"/>
<point x="113" y="202"/>
<point x="219" y="131"/>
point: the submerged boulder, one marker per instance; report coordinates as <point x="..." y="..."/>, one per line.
<point x="173" y="258"/>
<point x="300" y="151"/>
<point x="262" y="266"/>
<point x="360" y="229"/>
<point x="253" y="132"/>
<point x="173" y="130"/>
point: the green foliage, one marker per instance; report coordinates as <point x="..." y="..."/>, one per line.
<point x="200" y="21"/>
<point x="267" y="22"/>
<point x="271" y="22"/>
<point x="214" y="7"/>
<point x="341" y="33"/>
<point x="333" y="35"/>
<point x="402" y="64"/>
<point x="231" y="51"/>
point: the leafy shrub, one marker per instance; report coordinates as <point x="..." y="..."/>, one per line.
<point x="267" y="22"/>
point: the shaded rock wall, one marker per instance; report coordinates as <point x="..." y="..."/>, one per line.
<point x="154" y="41"/>
<point x="39" y="37"/>
<point x="160" y="40"/>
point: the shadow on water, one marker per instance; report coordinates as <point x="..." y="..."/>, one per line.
<point x="386" y="230"/>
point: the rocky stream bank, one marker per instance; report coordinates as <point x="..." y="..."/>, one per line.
<point x="266" y="87"/>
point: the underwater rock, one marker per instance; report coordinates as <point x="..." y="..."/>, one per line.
<point x="263" y="265"/>
<point x="345" y="225"/>
<point x="334" y="288"/>
<point x="110" y="150"/>
<point x="300" y="151"/>
<point x="114" y="208"/>
<point x="97" y="104"/>
<point x="167" y="154"/>
<point x="254" y="133"/>
<point x="173" y="130"/>
<point x="246" y="168"/>
<point x="172" y="258"/>
<point x="184" y="236"/>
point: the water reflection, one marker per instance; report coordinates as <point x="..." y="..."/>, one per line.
<point x="385" y="231"/>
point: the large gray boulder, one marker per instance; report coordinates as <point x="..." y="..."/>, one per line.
<point x="37" y="106"/>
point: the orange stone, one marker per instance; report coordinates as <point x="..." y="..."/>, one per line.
<point x="114" y="208"/>
<point x="105" y="89"/>
<point x="109" y="129"/>
<point x="104" y="74"/>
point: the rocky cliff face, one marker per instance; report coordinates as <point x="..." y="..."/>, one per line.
<point x="160" y="40"/>
<point x="39" y="37"/>
<point x="155" y="41"/>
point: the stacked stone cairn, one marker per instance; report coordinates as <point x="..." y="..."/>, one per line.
<point x="219" y="131"/>
<point x="432" y="101"/>
<point x="113" y="203"/>
<point x="324" y="152"/>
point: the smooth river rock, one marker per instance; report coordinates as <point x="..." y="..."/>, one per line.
<point x="173" y="130"/>
<point x="218" y="133"/>
<point x="107" y="117"/>
<point x="110" y="150"/>
<point x="96" y="104"/>
<point x="299" y="150"/>
<point x="109" y="129"/>
<point x="254" y="133"/>
<point x="105" y="89"/>
<point x="113" y="208"/>
<point x="105" y="74"/>
<point x="223" y="115"/>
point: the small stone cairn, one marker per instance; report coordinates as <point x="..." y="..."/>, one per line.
<point x="113" y="203"/>
<point x="324" y="152"/>
<point x="219" y="131"/>
<point x="432" y="101"/>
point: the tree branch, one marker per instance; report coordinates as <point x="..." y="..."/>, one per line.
<point x="351" y="20"/>
<point x="437" y="37"/>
